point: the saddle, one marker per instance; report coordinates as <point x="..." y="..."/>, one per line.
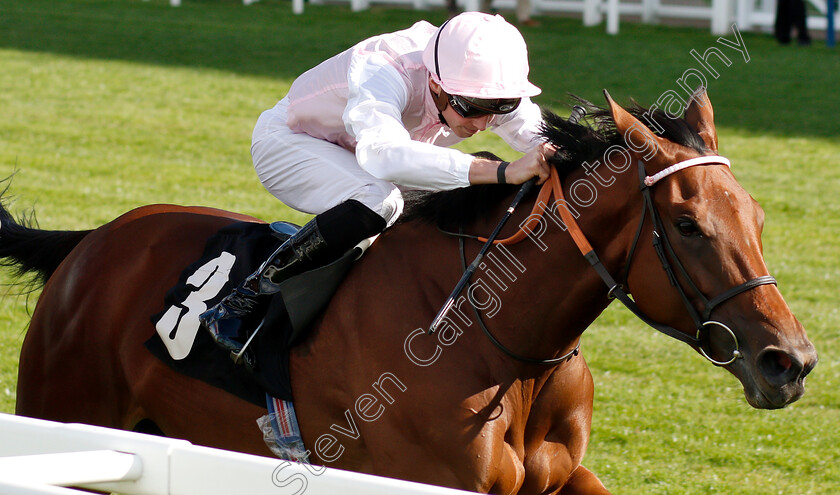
<point x="229" y="256"/>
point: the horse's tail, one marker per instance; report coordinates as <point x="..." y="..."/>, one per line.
<point x="31" y="251"/>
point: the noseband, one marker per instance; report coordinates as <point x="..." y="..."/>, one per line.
<point x="664" y="251"/>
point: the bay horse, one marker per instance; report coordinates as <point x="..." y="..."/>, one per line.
<point x="507" y="409"/>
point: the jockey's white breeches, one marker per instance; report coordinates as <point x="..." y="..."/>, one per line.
<point x="312" y="175"/>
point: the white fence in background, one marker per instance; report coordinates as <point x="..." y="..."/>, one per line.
<point x="762" y="13"/>
<point x="43" y="458"/>
<point x="720" y="14"/>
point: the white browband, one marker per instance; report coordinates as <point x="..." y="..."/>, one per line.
<point x="702" y="160"/>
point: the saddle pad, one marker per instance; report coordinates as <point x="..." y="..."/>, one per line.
<point x="229" y="257"/>
<point x="235" y="252"/>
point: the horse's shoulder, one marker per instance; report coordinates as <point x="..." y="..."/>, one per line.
<point x="557" y="431"/>
<point x="568" y="387"/>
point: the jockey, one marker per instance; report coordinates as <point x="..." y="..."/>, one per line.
<point x="377" y="117"/>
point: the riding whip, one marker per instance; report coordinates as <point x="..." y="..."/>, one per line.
<point x="578" y="113"/>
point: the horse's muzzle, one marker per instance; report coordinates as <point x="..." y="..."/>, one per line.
<point x="781" y="376"/>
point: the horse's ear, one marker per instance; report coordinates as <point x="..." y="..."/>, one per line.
<point x="642" y="142"/>
<point x="701" y="117"/>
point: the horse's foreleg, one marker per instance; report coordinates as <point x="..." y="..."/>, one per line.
<point x="583" y="482"/>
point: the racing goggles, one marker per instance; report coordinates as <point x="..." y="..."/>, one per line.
<point x="469" y="107"/>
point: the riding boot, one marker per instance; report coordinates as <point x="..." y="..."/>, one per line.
<point x="321" y="241"/>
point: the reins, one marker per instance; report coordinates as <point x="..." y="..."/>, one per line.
<point x="578" y="112"/>
<point x="662" y="246"/>
<point x="544" y="361"/>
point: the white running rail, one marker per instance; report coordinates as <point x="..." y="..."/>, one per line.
<point x="45" y="458"/>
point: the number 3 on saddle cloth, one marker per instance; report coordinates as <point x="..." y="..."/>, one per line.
<point x="232" y="254"/>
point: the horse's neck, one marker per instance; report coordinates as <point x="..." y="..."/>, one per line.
<point x="549" y="293"/>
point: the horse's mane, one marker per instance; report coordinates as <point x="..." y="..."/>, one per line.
<point x="577" y="143"/>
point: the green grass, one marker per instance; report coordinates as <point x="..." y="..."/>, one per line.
<point x="106" y="105"/>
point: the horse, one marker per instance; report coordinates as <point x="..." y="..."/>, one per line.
<point x="499" y="398"/>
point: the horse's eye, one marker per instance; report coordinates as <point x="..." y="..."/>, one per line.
<point x="688" y="228"/>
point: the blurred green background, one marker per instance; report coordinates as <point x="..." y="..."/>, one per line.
<point x="106" y="105"/>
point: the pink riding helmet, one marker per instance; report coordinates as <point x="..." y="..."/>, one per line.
<point x="479" y="55"/>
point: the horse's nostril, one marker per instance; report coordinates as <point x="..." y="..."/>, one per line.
<point x="783" y="360"/>
<point x="809" y="366"/>
<point x="779" y="368"/>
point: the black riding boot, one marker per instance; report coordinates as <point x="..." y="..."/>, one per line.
<point x="321" y="241"/>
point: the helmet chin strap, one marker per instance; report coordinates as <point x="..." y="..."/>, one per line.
<point x="440" y="103"/>
<point x="440" y="100"/>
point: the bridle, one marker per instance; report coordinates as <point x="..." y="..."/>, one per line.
<point x="665" y="253"/>
<point x="668" y="258"/>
